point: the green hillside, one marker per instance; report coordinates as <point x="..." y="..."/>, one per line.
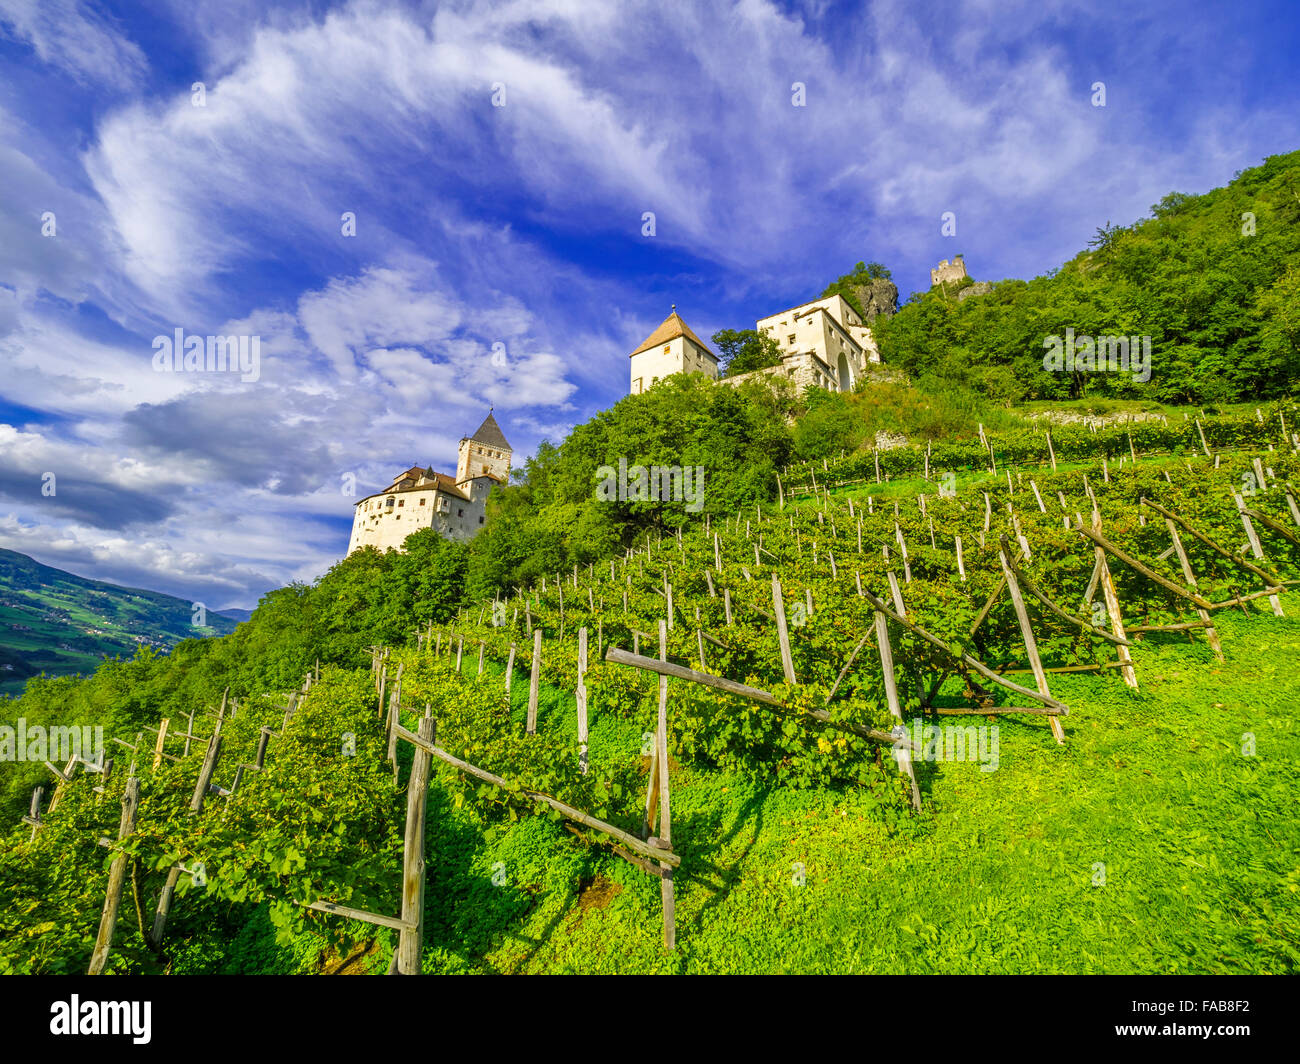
<point x="1158" y="836"/>
<point x="1103" y="618"/>
<point x="57" y="623"/>
<point x="1213" y="280"/>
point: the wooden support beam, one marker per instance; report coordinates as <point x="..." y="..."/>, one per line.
<point x="1211" y="634"/>
<point x="534" y="680"/>
<point x="580" y="694"/>
<point x="576" y="815"/>
<point x="356" y="914"/>
<point x="1256" y="548"/>
<point x="116" y="879"/>
<point x="1027" y="583"/>
<point x="1270" y="579"/>
<point x="754" y="694"/>
<point x="967" y="659"/>
<point x="1102" y="543"/>
<point x="413" y="878"/>
<point x="903" y="756"/>
<point x="1027" y="634"/>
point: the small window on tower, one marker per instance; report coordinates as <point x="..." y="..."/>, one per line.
<point x="460" y="511"/>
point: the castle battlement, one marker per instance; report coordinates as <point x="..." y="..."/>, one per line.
<point x="946" y="271"/>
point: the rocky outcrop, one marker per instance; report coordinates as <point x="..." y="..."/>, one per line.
<point x="879" y="299"/>
<point x="1072" y="417"/>
<point x="979" y="288"/>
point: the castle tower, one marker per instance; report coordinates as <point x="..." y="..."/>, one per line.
<point x="946" y="271"/>
<point x="485" y="454"/>
<point x="671" y="348"/>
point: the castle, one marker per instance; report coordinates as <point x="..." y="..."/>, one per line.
<point x="946" y="271"/>
<point x="824" y="344"/>
<point x="420" y="498"/>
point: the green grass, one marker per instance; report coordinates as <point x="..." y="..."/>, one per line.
<point x="1000" y="872"/>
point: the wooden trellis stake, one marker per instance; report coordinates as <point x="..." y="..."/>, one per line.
<point x="410" y="938"/>
<point x="783" y="633"/>
<point x="158" y="745"/>
<point x="1211" y="635"/>
<point x="903" y="756"/>
<point x="533" y="681"/>
<point x="1027" y="634"/>
<point x="116" y="879"/>
<point x="1256" y="548"/>
<point x="1129" y="672"/>
<point x="580" y="695"/>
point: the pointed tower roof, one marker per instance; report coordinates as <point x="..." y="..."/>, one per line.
<point x="490" y="435"/>
<point x="671" y="328"/>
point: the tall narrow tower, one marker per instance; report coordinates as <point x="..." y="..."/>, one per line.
<point x="485" y="454"/>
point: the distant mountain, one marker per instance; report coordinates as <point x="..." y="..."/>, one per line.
<point x="55" y="622"/>
<point x="235" y="614"/>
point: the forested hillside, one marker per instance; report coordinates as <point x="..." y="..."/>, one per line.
<point x="1213" y="280"/>
<point x="56" y="622"/>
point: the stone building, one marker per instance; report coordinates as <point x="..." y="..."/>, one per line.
<point x="948" y="271"/>
<point x="420" y="498"/>
<point x="824" y="344"/>
<point x="671" y="348"/>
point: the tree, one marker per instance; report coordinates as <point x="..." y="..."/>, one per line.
<point x="743" y="350"/>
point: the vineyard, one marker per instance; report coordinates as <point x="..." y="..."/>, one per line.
<point x="913" y="646"/>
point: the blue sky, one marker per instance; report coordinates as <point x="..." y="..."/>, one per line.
<point x="516" y="225"/>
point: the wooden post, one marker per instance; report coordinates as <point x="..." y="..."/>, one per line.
<point x="726" y="604"/>
<point x="510" y="669"/>
<point x="533" y="680"/>
<point x="1256" y="549"/>
<point x="410" y="938"/>
<point x="1211" y="635"/>
<point x="116" y="878"/>
<point x="1112" y="607"/>
<point x="460" y="646"/>
<point x="891" y="693"/>
<point x="263" y="739"/>
<point x="665" y="834"/>
<point x="961" y="564"/>
<point x="1204" y="446"/>
<point x="1031" y="644"/>
<point x="205" y="772"/>
<point x="158" y="746"/>
<point x="778" y="608"/>
<point x="164" y="906"/>
<point x="581" y="695"/>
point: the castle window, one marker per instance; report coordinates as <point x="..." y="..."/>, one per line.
<point x="401" y="502"/>
<point x="460" y="511"/>
<point x="480" y="520"/>
<point x="421" y="502"/>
